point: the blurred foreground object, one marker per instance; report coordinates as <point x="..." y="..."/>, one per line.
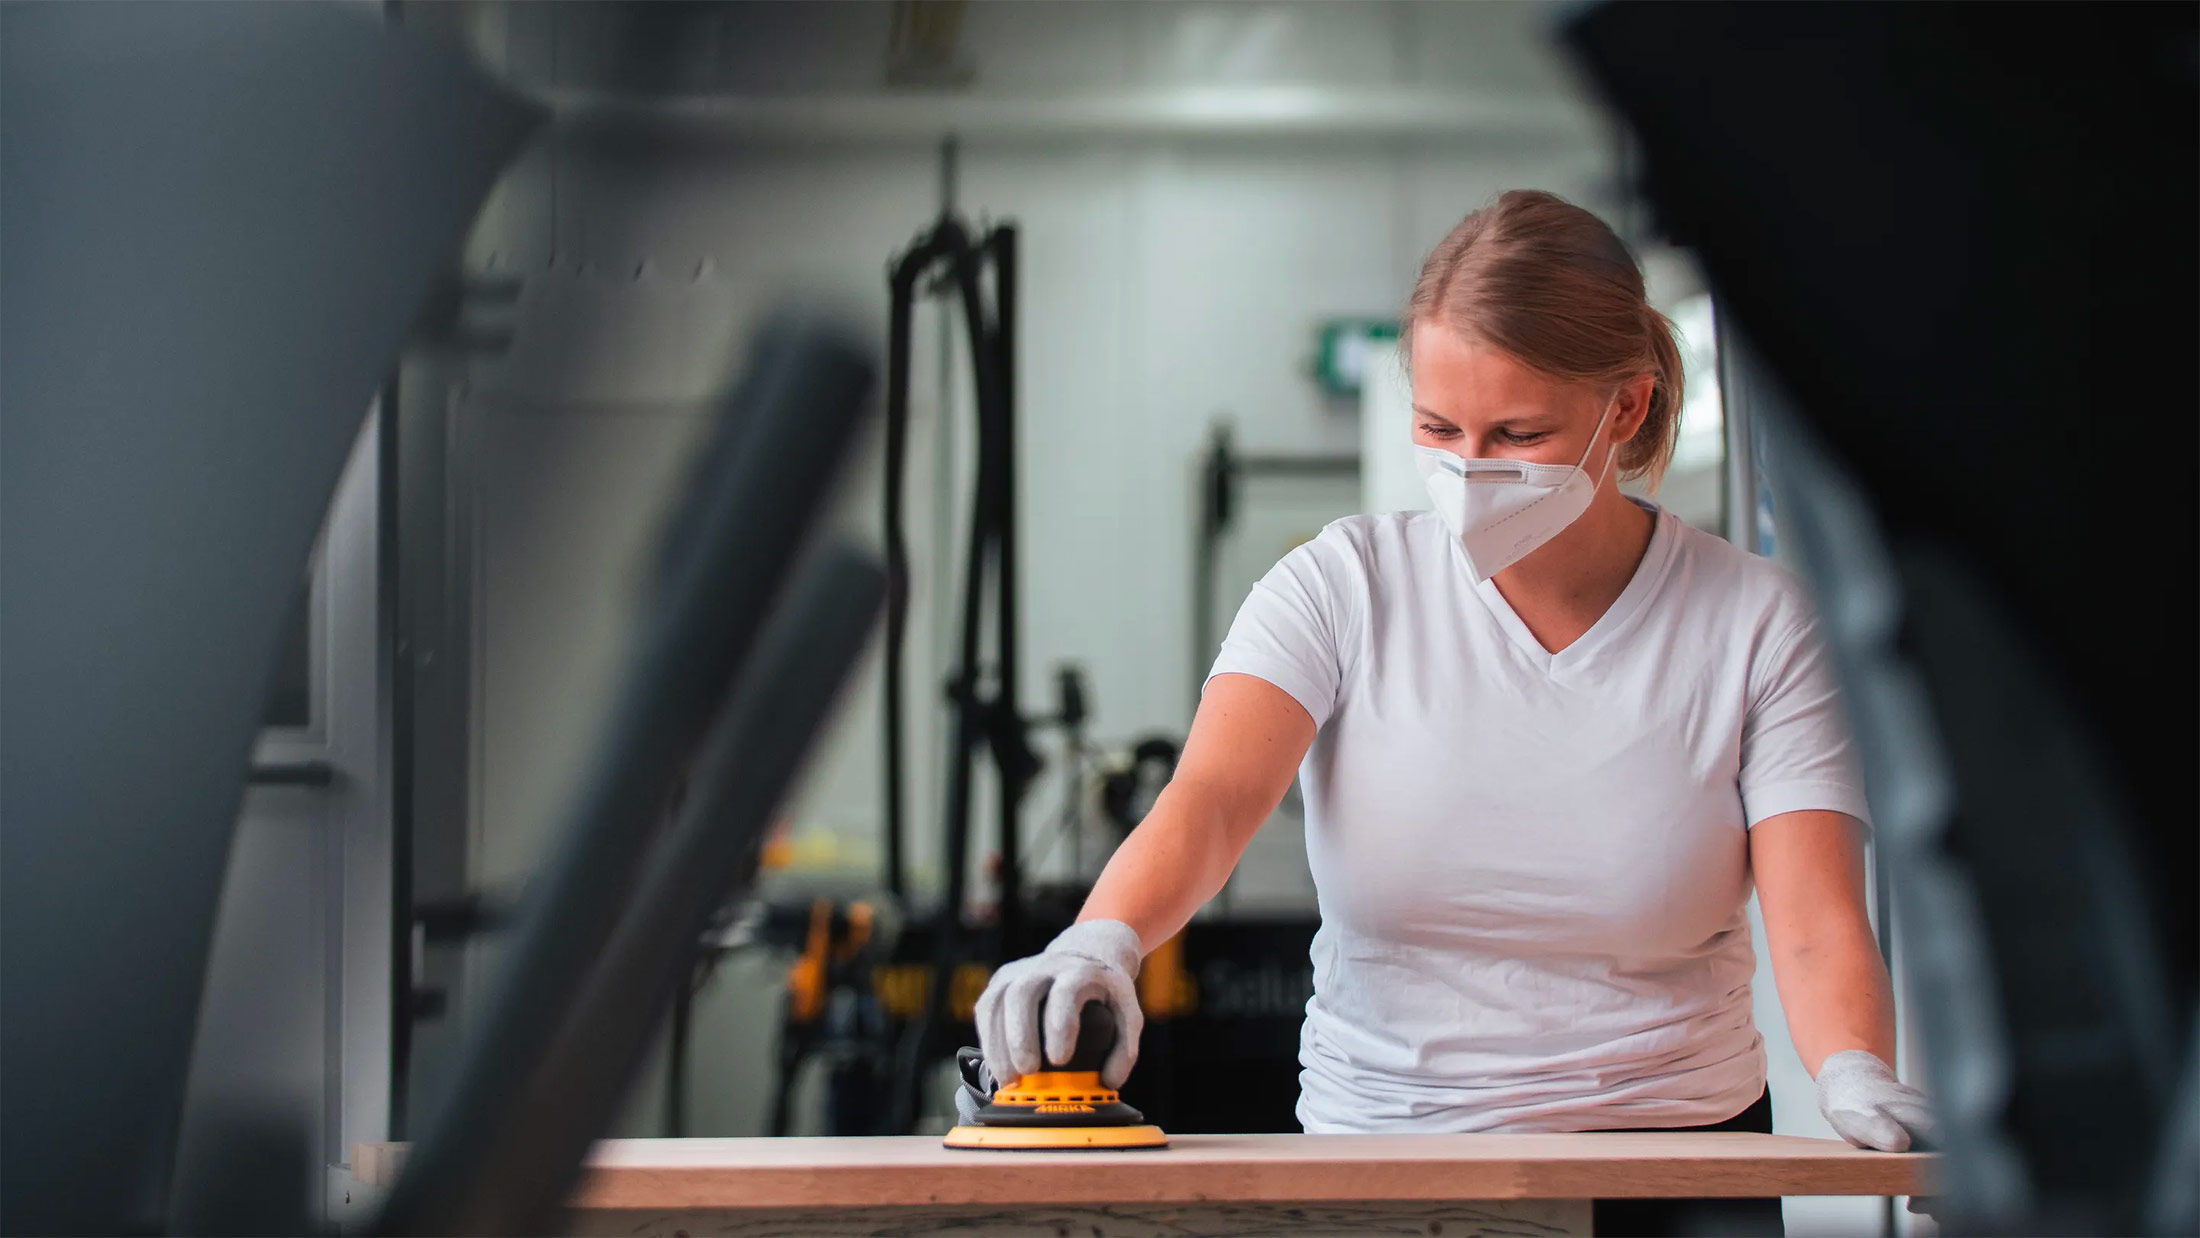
<point x="1959" y="243"/>
<point x="723" y="692"/>
<point x="216" y="222"/>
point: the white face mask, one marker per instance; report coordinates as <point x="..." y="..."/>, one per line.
<point x="1501" y="510"/>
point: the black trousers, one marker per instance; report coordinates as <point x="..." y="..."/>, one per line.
<point x="1646" y="1218"/>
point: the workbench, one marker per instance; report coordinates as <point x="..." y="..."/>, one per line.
<point x="1202" y="1184"/>
<point x="1448" y="1185"/>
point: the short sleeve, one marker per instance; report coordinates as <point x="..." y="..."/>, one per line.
<point x="1288" y="630"/>
<point x="1797" y="754"/>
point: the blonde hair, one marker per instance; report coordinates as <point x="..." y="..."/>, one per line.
<point x="1549" y="283"/>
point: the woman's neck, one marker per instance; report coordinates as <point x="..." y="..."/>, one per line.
<point x="1567" y="584"/>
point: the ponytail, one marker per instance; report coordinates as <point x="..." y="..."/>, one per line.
<point x="1650" y="452"/>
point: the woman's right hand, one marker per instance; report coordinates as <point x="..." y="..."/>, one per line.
<point x="1247" y="740"/>
<point x="1092" y="960"/>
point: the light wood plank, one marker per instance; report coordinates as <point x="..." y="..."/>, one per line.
<point x="1513" y="1218"/>
<point x="664" y="1174"/>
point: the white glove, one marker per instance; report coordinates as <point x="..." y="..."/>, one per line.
<point x="973" y="1088"/>
<point x="1093" y="960"/>
<point x="1869" y="1107"/>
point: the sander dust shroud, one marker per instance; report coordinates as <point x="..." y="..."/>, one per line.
<point x="1065" y="1109"/>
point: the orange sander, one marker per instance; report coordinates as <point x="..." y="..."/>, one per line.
<point x="1064" y="1109"/>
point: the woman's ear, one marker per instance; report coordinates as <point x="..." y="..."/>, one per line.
<point x="1632" y="406"/>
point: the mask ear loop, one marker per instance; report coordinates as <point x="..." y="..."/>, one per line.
<point x="1596" y="434"/>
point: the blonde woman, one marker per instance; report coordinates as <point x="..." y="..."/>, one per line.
<point x="1549" y="737"/>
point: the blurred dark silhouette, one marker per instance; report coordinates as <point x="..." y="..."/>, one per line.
<point x="1961" y="242"/>
<point x="218" y="221"/>
<point x="723" y="691"/>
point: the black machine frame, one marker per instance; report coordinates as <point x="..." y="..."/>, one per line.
<point x="987" y="720"/>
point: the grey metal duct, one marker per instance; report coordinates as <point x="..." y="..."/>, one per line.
<point x="216" y="221"/>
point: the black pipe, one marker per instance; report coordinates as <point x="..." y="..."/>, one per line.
<point x="896" y="546"/>
<point x="1214" y="516"/>
<point x="986" y="715"/>
<point x="676" y="1053"/>
<point x="1013" y="758"/>
<point x="1221" y="472"/>
<point x="1296" y="466"/>
<point x="963" y="690"/>
<point x="902" y="286"/>
<point x="945" y="240"/>
<point x="396" y="631"/>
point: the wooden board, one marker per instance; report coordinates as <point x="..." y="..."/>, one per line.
<point x="658" y="1174"/>
<point x="1501" y="1218"/>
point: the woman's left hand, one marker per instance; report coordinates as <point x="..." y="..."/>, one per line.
<point x="1869" y="1107"/>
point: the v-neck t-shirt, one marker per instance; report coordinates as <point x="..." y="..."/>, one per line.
<point x="1532" y="867"/>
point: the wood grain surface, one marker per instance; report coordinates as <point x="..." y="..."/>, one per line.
<point x="916" y="1170"/>
<point x="1500" y="1218"/>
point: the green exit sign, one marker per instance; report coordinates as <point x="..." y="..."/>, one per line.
<point x="1342" y="348"/>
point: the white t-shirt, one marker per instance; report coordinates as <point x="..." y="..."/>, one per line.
<point x="1532" y="867"/>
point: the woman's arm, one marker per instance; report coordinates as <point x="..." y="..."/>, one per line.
<point x="1809" y="870"/>
<point x="1247" y="740"/>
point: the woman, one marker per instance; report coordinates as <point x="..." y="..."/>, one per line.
<point x="1548" y="736"/>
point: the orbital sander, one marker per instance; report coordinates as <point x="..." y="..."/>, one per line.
<point x="1066" y="1108"/>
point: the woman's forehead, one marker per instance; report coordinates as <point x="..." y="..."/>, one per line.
<point x="1457" y="376"/>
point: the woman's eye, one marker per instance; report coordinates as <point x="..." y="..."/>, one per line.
<point x="1436" y="431"/>
<point x="1523" y="440"/>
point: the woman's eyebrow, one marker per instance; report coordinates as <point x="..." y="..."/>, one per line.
<point x="1525" y="418"/>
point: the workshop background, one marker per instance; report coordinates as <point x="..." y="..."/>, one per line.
<point x="1219" y="205"/>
